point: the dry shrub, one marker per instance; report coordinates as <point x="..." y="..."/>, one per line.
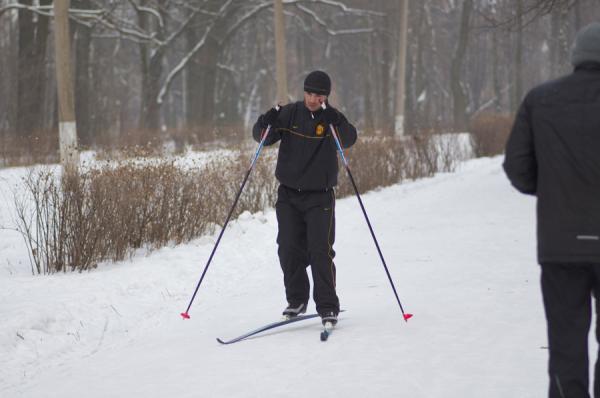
<point x="39" y="148"/>
<point x="150" y="143"/>
<point x="422" y="157"/>
<point x="375" y="161"/>
<point x="106" y="212"/>
<point x="261" y="190"/>
<point x="378" y="161"/>
<point x="489" y="133"/>
<point x="132" y="144"/>
<point x="207" y="136"/>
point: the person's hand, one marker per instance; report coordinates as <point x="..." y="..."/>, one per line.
<point x="331" y="116"/>
<point x="270" y="117"/>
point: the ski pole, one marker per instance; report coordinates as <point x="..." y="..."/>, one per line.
<point x="347" y="167"/>
<point x="185" y="314"/>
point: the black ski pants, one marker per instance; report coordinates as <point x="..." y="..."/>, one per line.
<point x="568" y="290"/>
<point x="306" y="235"/>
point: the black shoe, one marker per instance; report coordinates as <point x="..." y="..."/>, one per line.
<point x="294" y="310"/>
<point x="330" y="317"/>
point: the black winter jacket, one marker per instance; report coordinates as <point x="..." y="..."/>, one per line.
<point x="307" y="159"/>
<point x="553" y="152"/>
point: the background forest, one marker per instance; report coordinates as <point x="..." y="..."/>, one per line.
<point x="198" y="70"/>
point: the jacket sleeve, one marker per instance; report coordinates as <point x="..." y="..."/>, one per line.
<point x="347" y="132"/>
<point x="520" y="163"/>
<point x="283" y="120"/>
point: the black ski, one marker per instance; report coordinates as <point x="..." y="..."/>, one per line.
<point x="268" y="327"/>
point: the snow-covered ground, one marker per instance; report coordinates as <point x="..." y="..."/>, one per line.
<point x="460" y="247"/>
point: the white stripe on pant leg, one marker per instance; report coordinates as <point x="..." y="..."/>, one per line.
<point x="588" y="237"/>
<point x="560" y="390"/>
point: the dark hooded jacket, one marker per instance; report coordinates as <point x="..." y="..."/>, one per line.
<point x="553" y="152"/>
<point x="307" y="159"/>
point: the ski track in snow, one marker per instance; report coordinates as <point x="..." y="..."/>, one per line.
<point x="460" y="248"/>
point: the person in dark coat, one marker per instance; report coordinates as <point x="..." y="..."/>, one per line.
<point x="553" y="152"/>
<point x="307" y="170"/>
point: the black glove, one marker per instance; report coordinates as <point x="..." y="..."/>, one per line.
<point x="269" y="118"/>
<point x="331" y="116"/>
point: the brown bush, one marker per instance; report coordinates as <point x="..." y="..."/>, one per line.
<point x="379" y="161"/>
<point x="108" y="211"/>
<point x="150" y="143"/>
<point x="489" y="132"/>
<point x="42" y="147"/>
<point x="39" y="148"/>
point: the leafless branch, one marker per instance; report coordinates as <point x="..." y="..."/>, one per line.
<point x="246" y="17"/>
<point x="91" y="18"/>
<point x="35" y="9"/>
<point x="533" y="11"/>
<point x="338" y="4"/>
<point x="148" y="10"/>
<point x="47" y="11"/>
<point x="185" y="5"/>
<point x="133" y="32"/>
<point x="179" y="67"/>
<point x="326" y="26"/>
<point x="181" y="28"/>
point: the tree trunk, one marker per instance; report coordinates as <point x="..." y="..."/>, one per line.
<point x="194" y="77"/>
<point x="83" y="111"/>
<point x="368" y="97"/>
<point x="151" y="120"/>
<point x="152" y="68"/>
<point x="458" y="93"/>
<point x="416" y="70"/>
<point x="564" y="42"/>
<point x="8" y="69"/>
<point x="401" y="68"/>
<point x="202" y="76"/>
<point x="496" y="72"/>
<point x="385" y="70"/>
<point x="69" y="156"/>
<point x="280" y="58"/>
<point x="518" y="61"/>
<point x="33" y="36"/>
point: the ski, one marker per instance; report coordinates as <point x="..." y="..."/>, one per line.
<point x="276" y="325"/>
<point x="268" y="327"/>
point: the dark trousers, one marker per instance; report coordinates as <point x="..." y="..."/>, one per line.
<point x="568" y="290"/>
<point x="306" y="234"/>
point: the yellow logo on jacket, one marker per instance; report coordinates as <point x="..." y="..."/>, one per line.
<point x="320" y="130"/>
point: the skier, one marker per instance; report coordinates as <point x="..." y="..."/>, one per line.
<point x="307" y="170"/>
<point x="553" y="152"/>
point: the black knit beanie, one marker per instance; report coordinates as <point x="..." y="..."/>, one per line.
<point x="587" y="45"/>
<point x="317" y="82"/>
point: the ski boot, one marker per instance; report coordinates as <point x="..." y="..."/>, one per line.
<point x="293" y="310"/>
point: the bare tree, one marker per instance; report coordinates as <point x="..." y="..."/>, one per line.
<point x="517" y="91"/>
<point x="83" y="88"/>
<point x="280" y="58"/>
<point x="200" y="69"/>
<point x="31" y="69"/>
<point x="401" y="68"/>
<point x="67" y="127"/>
<point x="456" y="82"/>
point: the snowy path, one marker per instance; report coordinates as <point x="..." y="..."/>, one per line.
<point x="460" y="248"/>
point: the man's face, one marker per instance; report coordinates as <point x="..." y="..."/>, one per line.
<point x="313" y="101"/>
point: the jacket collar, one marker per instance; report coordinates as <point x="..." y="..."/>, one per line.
<point x="315" y="113"/>
<point x="589" y="66"/>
